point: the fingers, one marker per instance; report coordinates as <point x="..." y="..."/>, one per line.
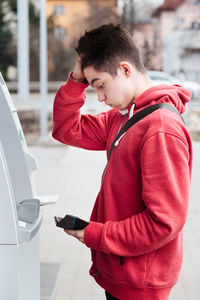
<point x="70" y="232"/>
<point x="77" y="74"/>
<point x="78" y="234"/>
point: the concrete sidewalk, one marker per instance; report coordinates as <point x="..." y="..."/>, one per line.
<point x="75" y="175"/>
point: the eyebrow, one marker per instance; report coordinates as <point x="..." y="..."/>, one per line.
<point x="93" y="81"/>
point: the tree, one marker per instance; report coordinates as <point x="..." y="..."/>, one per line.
<point x="7" y="57"/>
<point x="61" y="58"/>
<point x="8" y="49"/>
<point x="128" y="15"/>
<point x="136" y="11"/>
<point x="34" y="23"/>
<point x="147" y="55"/>
<point x="103" y="14"/>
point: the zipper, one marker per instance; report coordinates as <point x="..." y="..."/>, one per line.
<point x="121" y="124"/>
<point x="117" y="134"/>
<point x="117" y="142"/>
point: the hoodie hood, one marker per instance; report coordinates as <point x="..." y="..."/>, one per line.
<point x="172" y="94"/>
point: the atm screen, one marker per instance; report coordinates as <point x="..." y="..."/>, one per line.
<point x="13" y="111"/>
<point x="7" y="94"/>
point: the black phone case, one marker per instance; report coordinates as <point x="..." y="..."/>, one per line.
<point x="70" y="222"/>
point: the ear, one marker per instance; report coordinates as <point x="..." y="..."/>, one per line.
<point x="125" y="68"/>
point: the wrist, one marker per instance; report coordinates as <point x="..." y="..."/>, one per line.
<point x="74" y="89"/>
<point x="77" y="79"/>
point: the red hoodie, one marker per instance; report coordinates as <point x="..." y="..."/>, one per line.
<point x="135" y="232"/>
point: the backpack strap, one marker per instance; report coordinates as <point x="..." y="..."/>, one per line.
<point x="139" y="116"/>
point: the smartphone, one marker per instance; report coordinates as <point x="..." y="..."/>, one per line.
<point x="71" y="222"/>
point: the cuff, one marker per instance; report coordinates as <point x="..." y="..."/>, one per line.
<point x="93" y="234"/>
<point x="74" y="89"/>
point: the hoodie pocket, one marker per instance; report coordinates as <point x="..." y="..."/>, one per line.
<point x="121" y="261"/>
<point x="105" y="263"/>
<point x="131" y="270"/>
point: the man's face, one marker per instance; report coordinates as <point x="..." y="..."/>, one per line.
<point x="114" y="91"/>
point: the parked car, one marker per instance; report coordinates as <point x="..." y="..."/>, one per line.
<point x="193" y="86"/>
<point x="159" y="77"/>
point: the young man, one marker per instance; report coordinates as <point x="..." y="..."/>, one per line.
<point x="135" y="232"/>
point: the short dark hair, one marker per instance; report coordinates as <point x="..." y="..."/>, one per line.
<point x="105" y="46"/>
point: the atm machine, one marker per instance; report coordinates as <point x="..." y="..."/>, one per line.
<point x="20" y="214"/>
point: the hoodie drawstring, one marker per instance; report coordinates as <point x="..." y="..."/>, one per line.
<point x="131" y="112"/>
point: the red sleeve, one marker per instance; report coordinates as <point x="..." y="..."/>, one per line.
<point x="72" y="128"/>
<point x="165" y="161"/>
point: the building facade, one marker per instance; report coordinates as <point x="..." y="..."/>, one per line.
<point x="73" y="17"/>
<point x="178" y="38"/>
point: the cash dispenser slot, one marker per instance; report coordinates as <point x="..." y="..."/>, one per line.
<point x="30" y="218"/>
<point x="28" y="210"/>
<point x="28" y="230"/>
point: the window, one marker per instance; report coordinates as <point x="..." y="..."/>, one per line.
<point x="195" y="26"/>
<point x="59" y="10"/>
<point x="60" y="33"/>
<point x="196" y="2"/>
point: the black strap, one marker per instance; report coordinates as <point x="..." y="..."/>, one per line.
<point x="139" y="116"/>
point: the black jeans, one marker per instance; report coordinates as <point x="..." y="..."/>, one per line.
<point x="110" y="297"/>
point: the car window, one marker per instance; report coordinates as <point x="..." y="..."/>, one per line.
<point x="154" y="77"/>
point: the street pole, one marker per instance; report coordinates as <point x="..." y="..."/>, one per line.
<point x="43" y="71"/>
<point x="23" y="49"/>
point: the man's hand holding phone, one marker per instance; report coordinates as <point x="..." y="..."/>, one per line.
<point x="78" y="234"/>
<point x="72" y="225"/>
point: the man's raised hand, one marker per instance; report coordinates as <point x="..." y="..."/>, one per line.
<point x="77" y="74"/>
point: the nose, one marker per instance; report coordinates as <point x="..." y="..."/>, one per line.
<point x="101" y="97"/>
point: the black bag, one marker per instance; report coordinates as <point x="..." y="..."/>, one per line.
<point x="139" y="116"/>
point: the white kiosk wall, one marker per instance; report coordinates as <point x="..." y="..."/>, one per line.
<point x="19" y="240"/>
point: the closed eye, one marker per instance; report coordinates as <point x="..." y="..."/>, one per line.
<point x="100" y="87"/>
